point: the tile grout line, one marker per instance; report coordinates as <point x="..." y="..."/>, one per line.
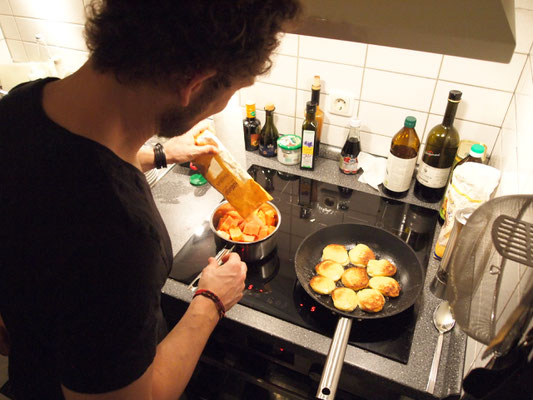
<point x="362" y="83"/>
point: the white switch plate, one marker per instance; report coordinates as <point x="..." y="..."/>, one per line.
<point x="341" y="103"/>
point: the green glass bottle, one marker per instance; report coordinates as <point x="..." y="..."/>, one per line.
<point x="309" y="138"/>
<point x="268" y="141"/>
<point x="439" y="154"/>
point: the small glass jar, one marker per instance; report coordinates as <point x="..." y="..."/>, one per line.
<point x="289" y="149"/>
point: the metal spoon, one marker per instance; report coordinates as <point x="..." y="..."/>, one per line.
<point x="444" y="322"/>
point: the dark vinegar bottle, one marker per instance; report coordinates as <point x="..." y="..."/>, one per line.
<point x="268" y="141"/>
<point x="439" y="154"/>
<point x="348" y="161"/>
<point x="252" y="128"/>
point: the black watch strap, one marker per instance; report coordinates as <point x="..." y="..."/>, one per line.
<point x="160" y="159"/>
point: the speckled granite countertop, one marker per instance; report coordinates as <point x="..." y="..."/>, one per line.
<point x="183" y="207"/>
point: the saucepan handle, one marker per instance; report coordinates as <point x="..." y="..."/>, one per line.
<point x="225" y="250"/>
<point x="333" y="367"/>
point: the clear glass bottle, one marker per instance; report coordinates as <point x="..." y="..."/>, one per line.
<point x="402" y="158"/>
<point x="268" y="146"/>
<point x="252" y="128"/>
<point x="439" y="155"/>
<point x="348" y="162"/>
<point x="309" y="138"/>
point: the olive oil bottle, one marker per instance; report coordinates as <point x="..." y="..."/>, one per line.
<point x="439" y="154"/>
<point x="319" y="114"/>
<point x="401" y="162"/>
<point x="268" y="141"/>
<point x="309" y="138"/>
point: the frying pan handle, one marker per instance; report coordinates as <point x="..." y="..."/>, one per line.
<point x="332" y="370"/>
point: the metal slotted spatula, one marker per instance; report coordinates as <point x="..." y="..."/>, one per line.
<point x="496" y="241"/>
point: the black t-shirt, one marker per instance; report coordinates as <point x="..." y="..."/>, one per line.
<point x="84" y="255"/>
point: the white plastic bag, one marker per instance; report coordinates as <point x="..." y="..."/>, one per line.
<point x="472" y="184"/>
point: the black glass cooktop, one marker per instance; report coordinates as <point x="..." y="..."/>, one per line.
<point x="307" y="205"/>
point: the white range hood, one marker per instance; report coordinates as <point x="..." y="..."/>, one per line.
<point x="480" y="29"/>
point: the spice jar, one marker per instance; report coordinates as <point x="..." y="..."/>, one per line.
<point x="289" y="149"/>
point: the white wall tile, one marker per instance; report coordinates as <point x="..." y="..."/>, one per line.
<point x="397" y="90"/>
<point x="9" y="27"/>
<point x="527" y="4"/>
<point x="263" y="93"/>
<point x="524" y="127"/>
<point x="524" y="30"/>
<point x="470" y="356"/>
<point x="5" y="8"/>
<point x="405" y="61"/>
<point x="16" y="48"/>
<point x="483" y="73"/>
<point x="283" y="71"/>
<point x="386" y="120"/>
<point x="375" y="144"/>
<point x="55" y="33"/>
<point x="505" y="154"/>
<point x="303" y="96"/>
<point x="334" y="135"/>
<point x="288" y="45"/>
<point x="333" y="76"/>
<point x="1" y="34"/>
<point x="338" y="51"/>
<point x="284" y="124"/>
<point x="5" y="55"/>
<point x="486" y="106"/>
<point x="54" y="10"/>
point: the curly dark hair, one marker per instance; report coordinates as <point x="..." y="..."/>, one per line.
<point x="161" y="41"/>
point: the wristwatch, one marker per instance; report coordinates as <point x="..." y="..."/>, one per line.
<point x="160" y="160"/>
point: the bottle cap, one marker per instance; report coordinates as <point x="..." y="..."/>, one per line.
<point x="316" y="82"/>
<point x="269" y="107"/>
<point x="410" y="122"/>
<point x="477" y="150"/>
<point x="356" y="123"/>
<point x="197" y="180"/>
<point x="455" y="95"/>
<point x="311" y="107"/>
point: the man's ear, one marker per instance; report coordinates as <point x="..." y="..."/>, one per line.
<point x="194" y="85"/>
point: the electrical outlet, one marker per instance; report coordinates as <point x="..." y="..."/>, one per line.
<point x="340" y="103"/>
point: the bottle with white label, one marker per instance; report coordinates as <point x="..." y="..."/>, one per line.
<point x="309" y="138"/>
<point x="401" y="162"/>
<point x="439" y="154"/>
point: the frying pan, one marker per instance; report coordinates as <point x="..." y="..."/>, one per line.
<point x="410" y="275"/>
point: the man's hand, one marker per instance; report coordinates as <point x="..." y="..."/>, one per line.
<point x="4" y="338"/>
<point x="226" y="280"/>
<point x="183" y="148"/>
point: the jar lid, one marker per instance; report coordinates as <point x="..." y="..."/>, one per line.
<point x="477" y="150"/>
<point x="290" y="142"/>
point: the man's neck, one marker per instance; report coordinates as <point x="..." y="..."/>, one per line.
<point x="98" y="107"/>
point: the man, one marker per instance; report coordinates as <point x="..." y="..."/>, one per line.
<point x="84" y="250"/>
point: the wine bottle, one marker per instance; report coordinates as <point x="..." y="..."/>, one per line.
<point x="401" y="162"/>
<point x="319" y="114"/>
<point x="309" y="128"/>
<point x="439" y="154"/>
<point x="268" y="145"/>
<point x="348" y="161"/>
<point x="252" y="128"/>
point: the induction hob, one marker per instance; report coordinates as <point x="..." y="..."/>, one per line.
<point x="307" y="205"/>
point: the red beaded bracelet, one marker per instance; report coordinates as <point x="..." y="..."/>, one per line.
<point x="210" y="295"/>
